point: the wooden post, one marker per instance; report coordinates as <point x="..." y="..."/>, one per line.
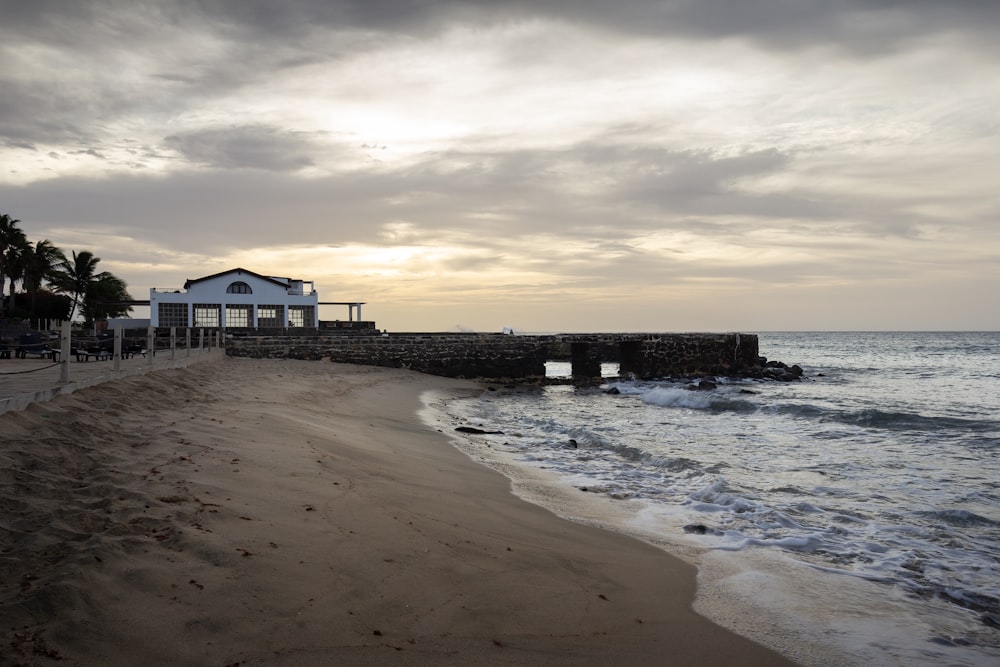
<point x="64" y="361"/>
<point x="151" y="344"/>
<point x="187" y="334"/>
<point x="173" y="343"/>
<point x="118" y="347"/>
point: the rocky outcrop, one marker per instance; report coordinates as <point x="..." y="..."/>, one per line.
<point x="773" y="370"/>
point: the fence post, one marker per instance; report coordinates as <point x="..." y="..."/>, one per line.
<point x="66" y="341"/>
<point x="173" y="343"/>
<point x="118" y="347"/>
<point x="151" y="344"/>
<point x="187" y="334"/>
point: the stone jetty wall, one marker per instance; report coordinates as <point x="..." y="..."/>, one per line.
<point x="515" y="357"/>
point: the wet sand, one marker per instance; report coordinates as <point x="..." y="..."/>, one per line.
<point x="275" y="512"/>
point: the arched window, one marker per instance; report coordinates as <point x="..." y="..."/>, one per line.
<point x="239" y="287"/>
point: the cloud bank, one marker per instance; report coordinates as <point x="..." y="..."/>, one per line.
<point x="547" y="165"/>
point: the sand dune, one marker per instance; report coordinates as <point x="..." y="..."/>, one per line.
<point x="276" y="512"/>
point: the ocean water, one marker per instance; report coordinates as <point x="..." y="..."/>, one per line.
<point x="852" y="517"/>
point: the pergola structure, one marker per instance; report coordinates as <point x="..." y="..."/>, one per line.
<point x="351" y="305"/>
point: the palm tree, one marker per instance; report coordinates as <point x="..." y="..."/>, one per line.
<point x="11" y="236"/>
<point x="40" y="266"/>
<point x="98" y="295"/>
<point x="73" y="276"/>
<point x="17" y="258"/>
<point x="106" y="297"/>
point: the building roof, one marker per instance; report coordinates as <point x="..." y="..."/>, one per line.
<point x="282" y="282"/>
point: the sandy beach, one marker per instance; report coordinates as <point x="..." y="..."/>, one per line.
<point x="273" y="512"/>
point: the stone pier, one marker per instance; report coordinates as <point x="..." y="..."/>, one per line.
<point x="519" y="358"/>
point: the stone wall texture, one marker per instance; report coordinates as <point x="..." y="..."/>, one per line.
<point x="515" y="357"/>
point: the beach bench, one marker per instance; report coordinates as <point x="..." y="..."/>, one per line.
<point x="96" y="353"/>
<point x="40" y="351"/>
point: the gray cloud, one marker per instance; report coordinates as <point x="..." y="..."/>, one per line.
<point x="498" y="196"/>
<point x="203" y="49"/>
<point x="130" y="115"/>
<point x="245" y="147"/>
<point x="632" y="190"/>
<point x="34" y="113"/>
<point x="863" y="24"/>
<point x="852" y="23"/>
<point x="855" y="24"/>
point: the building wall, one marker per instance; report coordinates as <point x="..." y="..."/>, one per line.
<point x="213" y="291"/>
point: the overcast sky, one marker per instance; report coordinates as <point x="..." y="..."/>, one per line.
<point x="548" y="165"/>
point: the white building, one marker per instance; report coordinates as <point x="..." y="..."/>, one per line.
<point x="237" y="299"/>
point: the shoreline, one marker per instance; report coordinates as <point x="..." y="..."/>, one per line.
<point x="756" y="617"/>
<point x="296" y="513"/>
<point x="810" y="611"/>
